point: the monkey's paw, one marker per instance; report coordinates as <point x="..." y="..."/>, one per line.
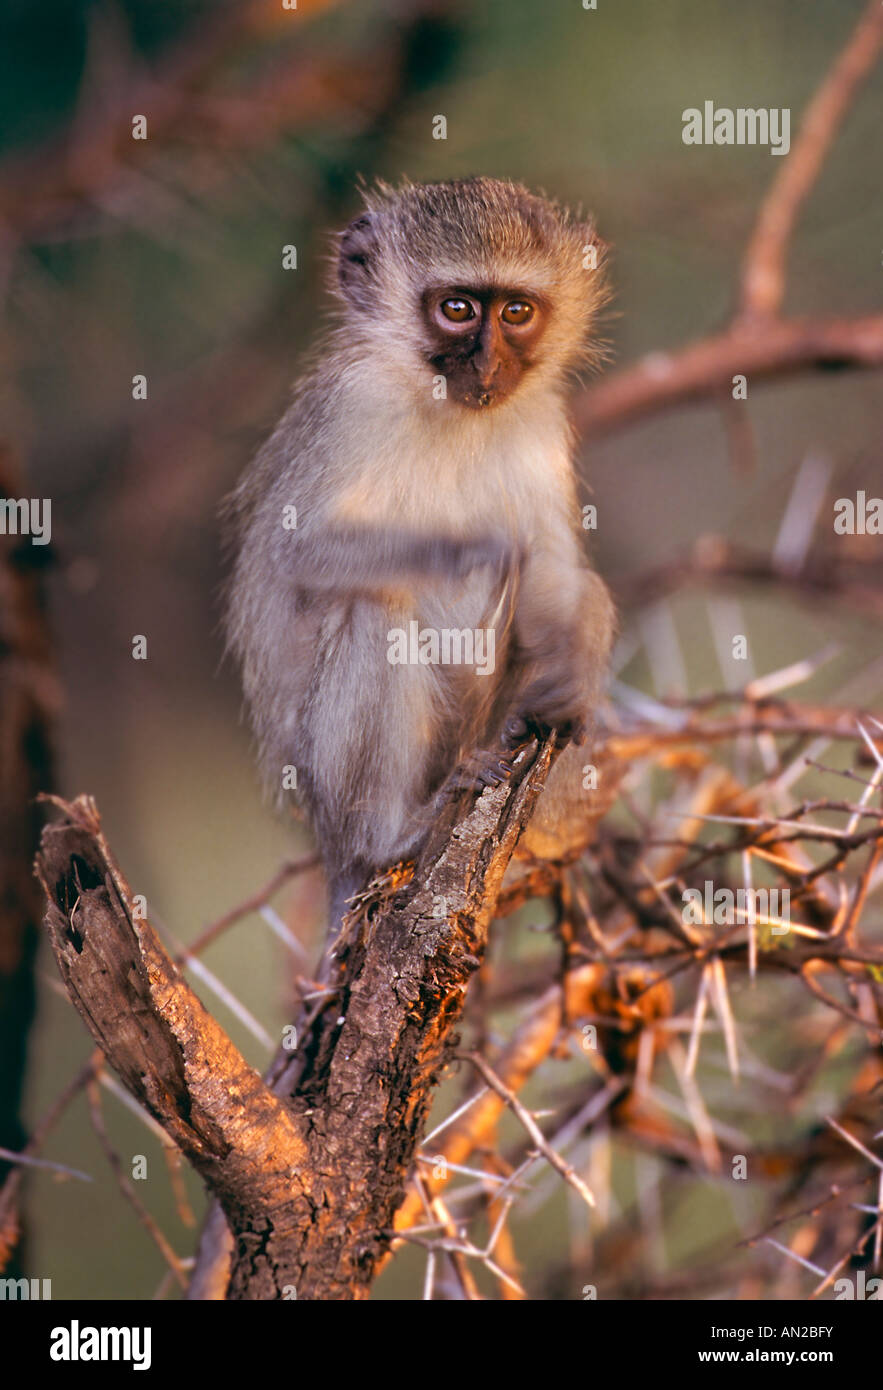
<point x="486" y="767"/>
<point x="494" y="551"/>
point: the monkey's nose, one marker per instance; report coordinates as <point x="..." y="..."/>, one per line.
<point x="486" y="362"/>
<point x="486" y="386"/>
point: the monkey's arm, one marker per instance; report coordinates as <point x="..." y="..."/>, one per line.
<point x="375" y="557"/>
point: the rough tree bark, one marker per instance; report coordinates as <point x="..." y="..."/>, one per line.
<point x="310" y="1170"/>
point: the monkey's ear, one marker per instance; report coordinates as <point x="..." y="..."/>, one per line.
<point x="355" y="264"/>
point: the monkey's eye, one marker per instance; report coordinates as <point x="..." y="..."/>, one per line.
<point x="457" y="310"/>
<point x="517" y="311"/>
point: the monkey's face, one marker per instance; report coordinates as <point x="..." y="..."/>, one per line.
<point x="482" y="341"/>
<point x="476" y="281"/>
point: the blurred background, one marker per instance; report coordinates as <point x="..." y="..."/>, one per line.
<point x="164" y="257"/>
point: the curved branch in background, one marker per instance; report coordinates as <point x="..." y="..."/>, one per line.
<point x="829" y="578"/>
<point x="775" y="348"/>
<point x="757" y="342"/>
<point x="763" y="269"/>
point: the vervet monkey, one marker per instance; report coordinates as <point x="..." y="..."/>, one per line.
<point x="428" y="456"/>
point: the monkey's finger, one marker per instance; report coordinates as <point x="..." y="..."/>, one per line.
<point x="493" y="773"/>
<point x="486" y="768"/>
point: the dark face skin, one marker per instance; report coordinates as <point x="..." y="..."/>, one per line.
<point x="482" y="340"/>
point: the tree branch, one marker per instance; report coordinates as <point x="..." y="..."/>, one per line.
<point x="310" y="1173"/>
<point x="764" y="352"/>
<point x="763" y="269"/>
<point x="167" y="1049"/>
<point x="758" y="343"/>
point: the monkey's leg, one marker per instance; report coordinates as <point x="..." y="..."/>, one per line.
<point x="371" y="741"/>
<point x="342" y="887"/>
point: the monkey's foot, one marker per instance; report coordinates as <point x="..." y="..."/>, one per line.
<point x="487" y="767"/>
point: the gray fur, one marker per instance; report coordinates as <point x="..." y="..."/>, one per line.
<point x="412" y="507"/>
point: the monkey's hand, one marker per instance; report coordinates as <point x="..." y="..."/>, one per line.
<point x="485" y="767"/>
<point x="368" y="558"/>
<point x="457" y="558"/>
